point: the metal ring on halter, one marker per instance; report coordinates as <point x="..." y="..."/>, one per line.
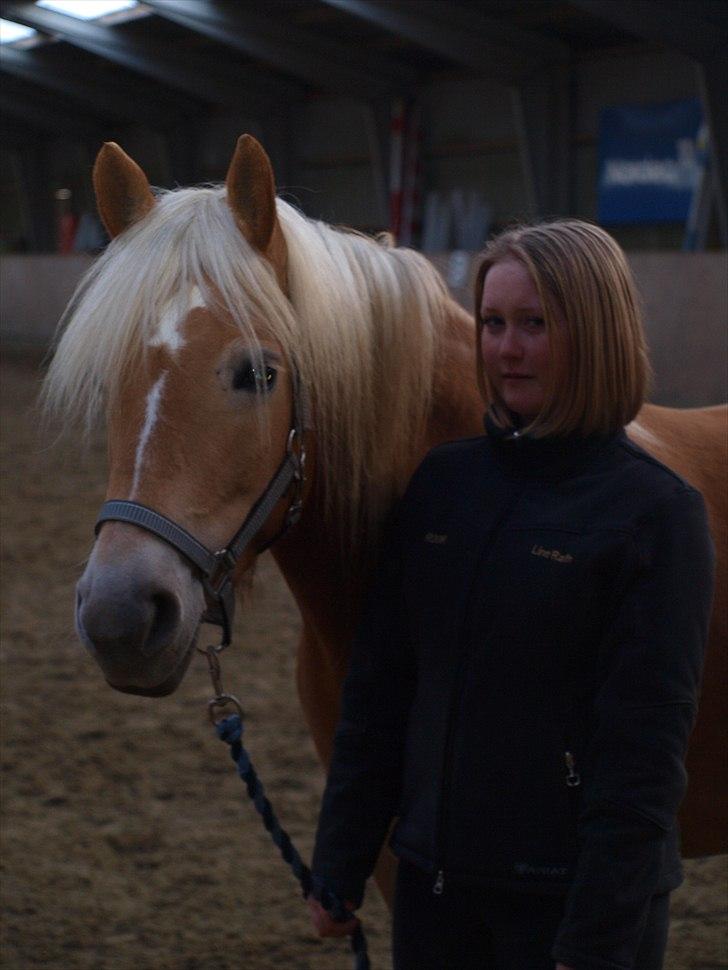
<point x="223" y="700"/>
<point x="294" y="513"/>
<point x="298" y="455"/>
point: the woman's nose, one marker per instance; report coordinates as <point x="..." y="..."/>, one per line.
<point x="510" y="344"/>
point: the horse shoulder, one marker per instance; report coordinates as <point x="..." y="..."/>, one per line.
<point x="692" y="442"/>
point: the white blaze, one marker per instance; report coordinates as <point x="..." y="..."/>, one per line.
<point x="175" y="312"/>
<point x="150" y="419"/>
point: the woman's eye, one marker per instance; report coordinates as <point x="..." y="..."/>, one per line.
<point x="254" y="378"/>
<point x="535" y="323"/>
<point x="492" y="322"/>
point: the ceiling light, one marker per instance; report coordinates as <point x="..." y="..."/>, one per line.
<point x="10" y="32"/>
<point x="87" y="9"/>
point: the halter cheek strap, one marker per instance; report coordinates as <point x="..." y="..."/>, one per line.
<point x="217" y="567"/>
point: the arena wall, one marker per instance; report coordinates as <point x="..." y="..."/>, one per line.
<point x="685" y="304"/>
<point x="685" y="300"/>
<point x="34" y="290"/>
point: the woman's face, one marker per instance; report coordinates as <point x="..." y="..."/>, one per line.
<point x="514" y="343"/>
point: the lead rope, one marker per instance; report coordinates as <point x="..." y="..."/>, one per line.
<point x="230" y="730"/>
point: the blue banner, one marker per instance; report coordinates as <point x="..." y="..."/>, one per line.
<point x="651" y="161"/>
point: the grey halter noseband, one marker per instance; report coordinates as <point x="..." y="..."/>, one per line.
<point x="217" y="567"/>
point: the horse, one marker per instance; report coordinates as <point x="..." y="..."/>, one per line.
<point x="190" y="334"/>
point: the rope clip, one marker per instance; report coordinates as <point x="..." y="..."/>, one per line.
<point x="221" y="699"/>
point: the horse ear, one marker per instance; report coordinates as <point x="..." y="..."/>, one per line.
<point x="251" y="192"/>
<point x="123" y="195"/>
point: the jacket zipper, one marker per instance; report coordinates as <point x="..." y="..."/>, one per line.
<point x="446" y="772"/>
<point x="573" y="778"/>
<point x="455" y="699"/>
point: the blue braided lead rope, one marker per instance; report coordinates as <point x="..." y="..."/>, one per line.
<point x="230" y="730"/>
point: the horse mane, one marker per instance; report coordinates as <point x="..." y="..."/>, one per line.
<point x="362" y="322"/>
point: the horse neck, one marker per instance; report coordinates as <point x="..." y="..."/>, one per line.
<point x="320" y="576"/>
<point x="327" y="588"/>
<point x="457" y="408"/>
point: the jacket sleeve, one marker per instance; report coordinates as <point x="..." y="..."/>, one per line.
<point x="363" y="785"/>
<point x="650" y="667"/>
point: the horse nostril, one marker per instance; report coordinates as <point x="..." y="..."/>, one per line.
<point x="166" y="618"/>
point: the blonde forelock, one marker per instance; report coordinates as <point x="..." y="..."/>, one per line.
<point x="361" y="320"/>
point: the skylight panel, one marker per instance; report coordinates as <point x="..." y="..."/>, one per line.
<point x="88" y="9"/>
<point x="10" y="32"/>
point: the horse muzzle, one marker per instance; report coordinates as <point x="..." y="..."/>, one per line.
<point x="140" y="629"/>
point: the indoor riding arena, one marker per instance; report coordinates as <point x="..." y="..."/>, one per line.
<point x="129" y="841"/>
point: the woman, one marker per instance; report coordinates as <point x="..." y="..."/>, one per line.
<point x="525" y="676"/>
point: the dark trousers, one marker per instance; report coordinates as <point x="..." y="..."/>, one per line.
<point x="473" y="928"/>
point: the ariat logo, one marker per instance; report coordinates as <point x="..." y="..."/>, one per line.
<point x="552" y="554"/>
<point x="437" y="538"/>
<point x="553" y="872"/>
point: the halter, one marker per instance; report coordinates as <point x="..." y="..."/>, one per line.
<point x="217" y="567"/>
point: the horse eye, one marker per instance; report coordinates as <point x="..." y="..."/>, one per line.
<point x="244" y="378"/>
<point x="254" y="379"/>
<point x="271" y="375"/>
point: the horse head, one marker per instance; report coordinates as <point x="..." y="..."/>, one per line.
<point x="190" y="334"/>
<point x="198" y="414"/>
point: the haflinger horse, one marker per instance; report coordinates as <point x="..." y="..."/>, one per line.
<point x="191" y="334"/>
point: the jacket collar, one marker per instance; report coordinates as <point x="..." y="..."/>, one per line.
<point x="545" y="459"/>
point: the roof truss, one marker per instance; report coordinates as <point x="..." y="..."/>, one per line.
<point x="127" y="102"/>
<point x="189" y="72"/>
<point x="287" y="47"/>
<point x="460" y="34"/>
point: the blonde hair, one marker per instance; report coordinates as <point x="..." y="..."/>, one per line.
<point x="602" y="371"/>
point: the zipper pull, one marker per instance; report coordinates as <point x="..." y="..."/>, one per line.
<point x="439" y="883"/>
<point x="573" y="778"/>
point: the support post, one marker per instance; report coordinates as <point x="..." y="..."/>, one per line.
<point x="544" y="111"/>
<point x="711" y="82"/>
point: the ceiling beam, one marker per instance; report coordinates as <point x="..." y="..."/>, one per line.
<point x="189" y="71"/>
<point x="312" y="58"/>
<point x="501" y="32"/>
<point x="455" y="39"/>
<point x="125" y="105"/>
<point x="679" y="25"/>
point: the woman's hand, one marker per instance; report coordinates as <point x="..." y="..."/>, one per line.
<point x="325" y="925"/>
